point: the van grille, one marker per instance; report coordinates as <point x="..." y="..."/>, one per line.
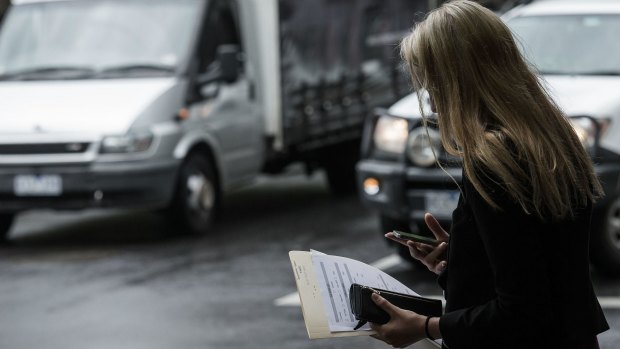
<point x="43" y="148"/>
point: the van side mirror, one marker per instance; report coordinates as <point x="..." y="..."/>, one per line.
<point x="225" y="68"/>
<point x="229" y="60"/>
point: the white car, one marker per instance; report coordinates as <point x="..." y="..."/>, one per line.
<point x="574" y="45"/>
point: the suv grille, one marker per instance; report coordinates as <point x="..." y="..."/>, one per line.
<point x="43" y="148"/>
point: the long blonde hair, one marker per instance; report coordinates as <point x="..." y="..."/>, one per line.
<point x="495" y="114"/>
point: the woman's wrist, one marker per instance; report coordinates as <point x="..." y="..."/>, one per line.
<point x="433" y="328"/>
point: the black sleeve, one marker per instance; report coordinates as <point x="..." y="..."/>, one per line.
<point x="442" y="278"/>
<point x="516" y="255"/>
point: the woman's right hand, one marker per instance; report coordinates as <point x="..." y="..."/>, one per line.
<point x="432" y="257"/>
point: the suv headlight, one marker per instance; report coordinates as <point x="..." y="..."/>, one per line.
<point x="423" y="145"/>
<point x="391" y="134"/>
<point x="129" y="143"/>
<point x="586" y="130"/>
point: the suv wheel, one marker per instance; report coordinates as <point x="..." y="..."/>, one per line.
<point x="197" y="196"/>
<point x="605" y="239"/>
<point x="6" y="221"/>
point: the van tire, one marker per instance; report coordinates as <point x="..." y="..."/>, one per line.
<point x="605" y="239"/>
<point x="341" y="179"/>
<point x="6" y="222"/>
<point x="339" y="163"/>
<point x="197" y="197"/>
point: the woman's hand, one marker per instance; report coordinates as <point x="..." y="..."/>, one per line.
<point x="432" y="257"/>
<point x="404" y="328"/>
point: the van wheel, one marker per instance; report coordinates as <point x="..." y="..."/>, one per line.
<point x="197" y="196"/>
<point x="6" y="221"/>
<point x="339" y="163"/>
<point x="341" y="179"/>
<point x="605" y="239"/>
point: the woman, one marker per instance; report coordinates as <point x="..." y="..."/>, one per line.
<point x="516" y="273"/>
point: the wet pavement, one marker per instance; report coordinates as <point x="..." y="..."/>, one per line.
<point x="119" y="280"/>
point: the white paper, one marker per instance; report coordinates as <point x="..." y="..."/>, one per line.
<point x="335" y="276"/>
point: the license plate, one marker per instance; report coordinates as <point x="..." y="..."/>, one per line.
<point x="441" y="204"/>
<point x="37" y="185"/>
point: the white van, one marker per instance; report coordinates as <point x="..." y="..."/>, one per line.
<point x="170" y="103"/>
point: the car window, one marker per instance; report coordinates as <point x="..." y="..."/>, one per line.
<point x="96" y="34"/>
<point x="570" y="44"/>
<point x="221" y="29"/>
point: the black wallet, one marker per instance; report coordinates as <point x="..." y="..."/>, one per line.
<point x="365" y="310"/>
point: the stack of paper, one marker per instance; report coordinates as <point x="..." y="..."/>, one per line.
<point x="323" y="282"/>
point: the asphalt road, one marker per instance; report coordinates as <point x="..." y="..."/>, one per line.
<point x="115" y="280"/>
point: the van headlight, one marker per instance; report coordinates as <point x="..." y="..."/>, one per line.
<point x="423" y="145"/>
<point x="129" y="143"/>
<point x="391" y="134"/>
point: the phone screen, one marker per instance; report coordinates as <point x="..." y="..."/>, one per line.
<point x="414" y="237"/>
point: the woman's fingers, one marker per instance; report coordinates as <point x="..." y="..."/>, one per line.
<point x="440" y="233"/>
<point x="416" y="253"/>
<point x="428" y="255"/>
<point x="441" y="249"/>
<point x="436" y="259"/>
<point x="384" y="304"/>
<point x="424" y="248"/>
<point x="440" y="267"/>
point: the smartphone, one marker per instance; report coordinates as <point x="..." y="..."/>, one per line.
<point x="416" y="238"/>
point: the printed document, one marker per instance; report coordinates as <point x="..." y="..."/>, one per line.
<point x="323" y="282"/>
<point x="335" y="276"/>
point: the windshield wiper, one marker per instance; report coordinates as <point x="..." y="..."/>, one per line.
<point x="601" y="73"/>
<point x="554" y="72"/>
<point x="49" y="72"/>
<point x="138" y="68"/>
<point x="593" y="73"/>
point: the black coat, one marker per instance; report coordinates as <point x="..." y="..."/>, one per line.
<point x="516" y="281"/>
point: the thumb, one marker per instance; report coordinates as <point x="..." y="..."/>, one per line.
<point x="431" y="222"/>
<point x="384" y="304"/>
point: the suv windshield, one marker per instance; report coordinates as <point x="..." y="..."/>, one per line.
<point x="85" y="39"/>
<point x="570" y="44"/>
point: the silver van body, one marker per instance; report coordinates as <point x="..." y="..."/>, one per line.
<point x="110" y="134"/>
<point x="165" y="104"/>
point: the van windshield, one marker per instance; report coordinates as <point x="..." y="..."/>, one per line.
<point x="570" y="44"/>
<point x="96" y="38"/>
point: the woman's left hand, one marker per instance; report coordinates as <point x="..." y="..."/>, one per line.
<point x="404" y="328"/>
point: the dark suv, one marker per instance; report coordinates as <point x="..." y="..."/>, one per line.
<point x="398" y="175"/>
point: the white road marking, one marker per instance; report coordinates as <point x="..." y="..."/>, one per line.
<point x="609" y="302"/>
<point x="292" y="299"/>
<point x="387" y="262"/>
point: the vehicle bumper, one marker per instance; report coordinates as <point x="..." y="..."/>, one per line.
<point x="136" y="184"/>
<point x="403" y="190"/>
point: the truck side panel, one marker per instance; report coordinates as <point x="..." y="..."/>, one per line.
<point x="259" y="29"/>
<point x="339" y="60"/>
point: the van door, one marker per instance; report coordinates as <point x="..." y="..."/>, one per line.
<point x="229" y="111"/>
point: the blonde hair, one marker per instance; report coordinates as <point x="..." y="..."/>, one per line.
<point x="494" y="113"/>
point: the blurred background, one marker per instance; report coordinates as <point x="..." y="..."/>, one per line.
<point x="159" y="159"/>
